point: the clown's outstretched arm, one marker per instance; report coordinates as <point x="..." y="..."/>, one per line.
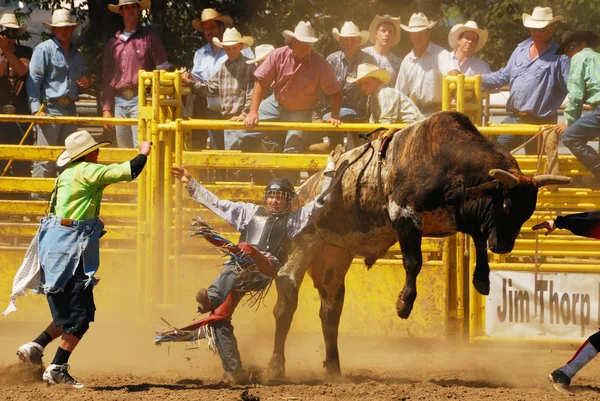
<point x="238" y="214"/>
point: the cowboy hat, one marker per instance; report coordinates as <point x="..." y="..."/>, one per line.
<point x="261" y="52"/>
<point x="231" y="37"/>
<point x="350" y="30"/>
<point x="116" y="8"/>
<point x="9" y="20"/>
<point x="417" y="23"/>
<point x="210" y="14"/>
<point x="381" y="19"/>
<point x="469" y="26"/>
<point x="568" y="37"/>
<point x="78" y="144"/>
<point x="303" y="32"/>
<point x="60" y="18"/>
<point x="366" y="70"/>
<point x="540" y="18"/>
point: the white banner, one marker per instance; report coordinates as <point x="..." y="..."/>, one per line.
<point x="559" y="305"/>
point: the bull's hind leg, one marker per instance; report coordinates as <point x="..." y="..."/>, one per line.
<point x="410" y="235"/>
<point x="329" y="279"/>
<point x="288" y="281"/>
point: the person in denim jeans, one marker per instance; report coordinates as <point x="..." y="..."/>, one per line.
<point x="130" y="50"/>
<point x="69" y="248"/>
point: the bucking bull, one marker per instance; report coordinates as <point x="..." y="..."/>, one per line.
<point x="433" y="178"/>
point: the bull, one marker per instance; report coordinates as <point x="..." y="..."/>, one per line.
<point x="434" y="178"/>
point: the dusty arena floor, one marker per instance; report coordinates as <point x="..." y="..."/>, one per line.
<point x="124" y="366"/>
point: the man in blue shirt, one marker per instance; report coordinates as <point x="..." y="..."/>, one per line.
<point x="207" y="62"/>
<point x="56" y="72"/>
<point x="537" y="77"/>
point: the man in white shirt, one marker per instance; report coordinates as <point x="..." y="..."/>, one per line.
<point x="466" y="40"/>
<point x="419" y="77"/>
<point x="384" y="33"/>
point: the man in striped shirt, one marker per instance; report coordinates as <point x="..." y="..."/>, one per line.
<point x="584" y="87"/>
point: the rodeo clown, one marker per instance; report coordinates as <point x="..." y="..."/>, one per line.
<point x="64" y="255"/>
<point x="266" y="236"/>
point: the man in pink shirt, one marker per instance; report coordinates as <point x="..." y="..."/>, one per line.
<point x="130" y="50"/>
<point x="297" y="75"/>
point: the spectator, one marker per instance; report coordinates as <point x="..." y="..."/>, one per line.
<point x="465" y="39"/>
<point x="384" y="33"/>
<point x="297" y="74"/>
<point x="345" y="63"/>
<point x="419" y="77"/>
<point x="537" y="78"/>
<point x="56" y="72"/>
<point x="207" y="62"/>
<point x="386" y="105"/>
<point x="130" y="50"/>
<point x="14" y="65"/>
<point x="584" y="87"/>
<point x="233" y="82"/>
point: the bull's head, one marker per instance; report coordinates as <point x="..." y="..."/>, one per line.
<point x="507" y="202"/>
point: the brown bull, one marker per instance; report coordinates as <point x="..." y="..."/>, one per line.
<point x="437" y="177"/>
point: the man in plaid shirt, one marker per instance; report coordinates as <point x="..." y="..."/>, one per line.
<point x="234" y="82"/>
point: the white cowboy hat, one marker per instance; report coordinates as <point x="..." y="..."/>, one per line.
<point x="60" y="18"/>
<point x="417" y="23"/>
<point x="210" y="14"/>
<point x="9" y="20"/>
<point x="350" y="30"/>
<point x="303" y="32"/>
<point x="385" y="18"/>
<point x="540" y="18"/>
<point x="231" y="37"/>
<point x="469" y="26"/>
<point x="261" y="52"/>
<point x="116" y="8"/>
<point x="78" y="144"/>
<point x="366" y="70"/>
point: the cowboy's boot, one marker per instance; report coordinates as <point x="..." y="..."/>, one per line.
<point x="204" y="305"/>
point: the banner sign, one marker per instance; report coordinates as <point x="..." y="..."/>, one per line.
<point x="557" y="305"/>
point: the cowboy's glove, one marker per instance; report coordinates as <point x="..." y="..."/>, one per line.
<point x="333" y="158"/>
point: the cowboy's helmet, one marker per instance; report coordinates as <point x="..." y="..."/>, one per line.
<point x="282" y="189"/>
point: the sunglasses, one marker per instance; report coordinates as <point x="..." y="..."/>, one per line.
<point x="544" y="29"/>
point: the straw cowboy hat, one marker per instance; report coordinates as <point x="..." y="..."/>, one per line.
<point x="116" y="8"/>
<point x="60" y="18"/>
<point x="568" y="37"/>
<point x="261" y="52"/>
<point x="210" y="14"/>
<point x="469" y="26"/>
<point x="350" y="30"/>
<point x="540" y="18"/>
<point x="303" y="32"/>
<point x="385" y="18"/>
<point x="9" y="20"/>
<point x="78" y="144"/>
<point x="417" y="23"/>
<point x="366" y="70"/>
<point x="231" y="37"/>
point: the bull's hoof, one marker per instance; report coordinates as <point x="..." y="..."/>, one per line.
<point x="403" y="309"/>
<point x="332" y="369"/>
<point x="276" y="369"/>
<point x="482" y="286"/>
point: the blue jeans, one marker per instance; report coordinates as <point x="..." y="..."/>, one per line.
<point x="511" y="141"/>
<point x="53" y="135"/>
<point x="347" y="115"/>
<point x="579" y="134"/>
<point x="127" y="136"/>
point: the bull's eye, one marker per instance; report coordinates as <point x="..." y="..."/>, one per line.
<point x="506" y="208"/>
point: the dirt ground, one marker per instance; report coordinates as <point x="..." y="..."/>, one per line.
<point x="124" y="365"/>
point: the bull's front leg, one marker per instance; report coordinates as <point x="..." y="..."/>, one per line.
<point x="481" y="275"/>
<point x="410" y="234"/>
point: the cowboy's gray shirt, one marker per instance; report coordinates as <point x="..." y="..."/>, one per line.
<point x="239" y="214"/>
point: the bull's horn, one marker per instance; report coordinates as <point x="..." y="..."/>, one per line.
<point x="504" y="177"/>
<point x="546" y="179"/>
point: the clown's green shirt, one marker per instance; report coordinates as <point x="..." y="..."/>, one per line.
<point x="79" y="190"/>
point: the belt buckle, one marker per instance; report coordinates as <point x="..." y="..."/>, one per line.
<point x="127" y="93"/>
<point x="9" y="109"/>
<point x="64" y="101"/>
<point x="66" y="222"/>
